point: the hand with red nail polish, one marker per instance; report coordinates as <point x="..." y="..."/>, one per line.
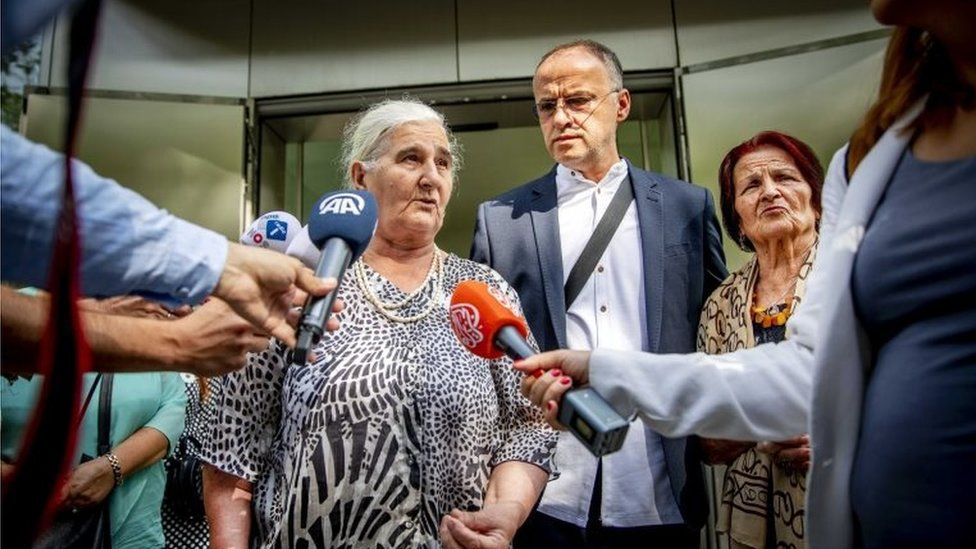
<point x="575" y="364"/>
<point x="550" y="377"/>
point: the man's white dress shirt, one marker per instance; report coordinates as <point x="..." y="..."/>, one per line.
<point x="609" y="313"/>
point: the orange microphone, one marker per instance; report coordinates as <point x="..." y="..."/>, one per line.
<point x="487" y="324"/>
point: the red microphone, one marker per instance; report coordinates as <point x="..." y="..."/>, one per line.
<point x="487" y="324"/>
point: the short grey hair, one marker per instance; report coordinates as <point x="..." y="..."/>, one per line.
<point x="615" y="71"/>
<point x="365" y="137"/>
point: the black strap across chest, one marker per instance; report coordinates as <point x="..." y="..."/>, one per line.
<point x="599" y="241"/>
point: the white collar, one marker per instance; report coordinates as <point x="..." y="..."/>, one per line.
<point x="569" y="180"/>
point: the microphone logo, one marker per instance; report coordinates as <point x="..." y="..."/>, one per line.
<point x="343" y="203"/>
<point x="464" y="320"/>
<point x="276" y="230"/>
<point x="503" y="299"/>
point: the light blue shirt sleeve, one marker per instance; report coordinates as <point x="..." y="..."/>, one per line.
<point x="169" y="419"/>
<point x="127" y="243"/>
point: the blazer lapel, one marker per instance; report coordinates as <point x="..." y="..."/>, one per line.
<point x="545" y="227"/>
<point x="864" y="192"/>
<point x="650" y="217"/>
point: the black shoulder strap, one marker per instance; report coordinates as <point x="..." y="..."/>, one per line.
<point x="599" y="240"/>
<point x="84" y="407"/>
<point x="105" y="414"/>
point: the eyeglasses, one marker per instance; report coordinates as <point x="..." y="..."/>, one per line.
<point x="574" y="105"/>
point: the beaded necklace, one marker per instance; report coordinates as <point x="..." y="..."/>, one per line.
<point x="780" y="311"/>
<point x="774" y="315"/>
<point x="388" y="310"/>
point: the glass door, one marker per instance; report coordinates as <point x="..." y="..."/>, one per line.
<point x="502" y="148"/>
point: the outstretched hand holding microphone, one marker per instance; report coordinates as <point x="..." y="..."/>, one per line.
<point x="540" y="390"/>
<point x="489" y="327"/>
<point x="341" y="225"/>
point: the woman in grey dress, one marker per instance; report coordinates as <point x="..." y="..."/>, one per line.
<point x="392" y="435"/>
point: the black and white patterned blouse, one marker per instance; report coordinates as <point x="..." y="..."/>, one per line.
<point x="387" y="429"/>
<point x="181" y="530"/>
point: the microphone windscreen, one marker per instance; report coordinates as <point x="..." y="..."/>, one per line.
<point x="301" y="247"/>
<point x="349" y="215"/>
<point x="273" y="230"/>
<point x="478" y="312"/>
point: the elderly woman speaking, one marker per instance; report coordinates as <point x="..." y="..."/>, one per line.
<point x="771" y="186"/>
<point x="393" y="435"/>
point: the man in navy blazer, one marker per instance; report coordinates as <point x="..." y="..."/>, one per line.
<point x="646" y="293"/>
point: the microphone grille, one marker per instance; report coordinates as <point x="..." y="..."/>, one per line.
<point x="274" y="230"/>
<point x="478" y="311"/>
<point x="349" y="215"/>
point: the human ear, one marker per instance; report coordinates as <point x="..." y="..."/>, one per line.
<point x="358" y="173"/>
<point x="623" y="105"/>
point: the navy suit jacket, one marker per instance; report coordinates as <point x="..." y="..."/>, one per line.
<point x="517" y="234"/>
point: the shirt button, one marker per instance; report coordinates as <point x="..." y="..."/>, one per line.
<point x="603" y="309"/>
<point x="599" y="268"/>
<point x="408" y="524"/>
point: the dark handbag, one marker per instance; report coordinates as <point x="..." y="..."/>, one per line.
<point x="184" y="480"/>
<point x="86" y="528"/>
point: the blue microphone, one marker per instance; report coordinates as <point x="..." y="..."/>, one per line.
<point x="341" y="225"/>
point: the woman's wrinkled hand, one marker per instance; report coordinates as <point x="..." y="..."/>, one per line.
<point x="89" y="484"/>
<point x="793" y="454"/>
<point x="493" y="527"/>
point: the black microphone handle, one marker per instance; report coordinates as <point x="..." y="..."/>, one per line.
<point x="336" y="256"/>
<point x="509" y="340"/>
<point x="584" y="412"/>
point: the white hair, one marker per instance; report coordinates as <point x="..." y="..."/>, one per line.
<point x="365" y="137"/>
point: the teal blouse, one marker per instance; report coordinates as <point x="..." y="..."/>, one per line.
<point x="156" y="400"/>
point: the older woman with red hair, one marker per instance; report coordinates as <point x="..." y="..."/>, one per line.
<point x="770" y="199"/>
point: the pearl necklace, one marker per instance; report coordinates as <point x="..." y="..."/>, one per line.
<point x="388" y="310"/>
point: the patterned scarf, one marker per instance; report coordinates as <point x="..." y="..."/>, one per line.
<point x="754" y="485"/>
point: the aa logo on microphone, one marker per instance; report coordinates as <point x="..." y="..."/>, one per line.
<point x="464" y="320"/>
<point x="343" y="203"/>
